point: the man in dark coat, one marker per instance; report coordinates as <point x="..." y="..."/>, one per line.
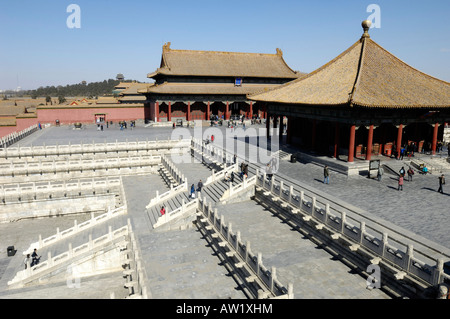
<point x="441" y="182"/>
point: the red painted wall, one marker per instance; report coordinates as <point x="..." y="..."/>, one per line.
<point x="21" y="124"/>
<point x="70" y="115"/>
<point x="87" y="115"/>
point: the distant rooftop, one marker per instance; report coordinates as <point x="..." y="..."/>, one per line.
<point x="217" y="63"/>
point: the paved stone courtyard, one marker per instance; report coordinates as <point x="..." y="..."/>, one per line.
<point x="419" y="208"/>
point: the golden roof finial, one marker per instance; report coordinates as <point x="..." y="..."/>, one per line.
<point x="366" y="24"/>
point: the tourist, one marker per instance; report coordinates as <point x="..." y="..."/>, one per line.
<point x="232" y="177"/>
<point x="35" y="258"/>
<point x="162" y="211"/>
<point x="27" y="260"/>
<point x="410" y="174"/>
<point x="326" y="175"/>
<point x="380" y="173"/>
<point x="441" y="182"/>
<point x="212" y="138"/>
<point x="400" y="183"/>
<point x="226" y="178"/>
<point x="402" y="153"/>
<point x="402" y="171"/>
<point x="425" y="170"/>
<point x="192" y="191"/>
<point x="199" y="186"/>
<point x="269" y="171"/>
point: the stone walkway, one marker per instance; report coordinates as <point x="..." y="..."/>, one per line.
<point x="419" y="208"/>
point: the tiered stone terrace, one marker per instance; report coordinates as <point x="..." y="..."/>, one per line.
<point x="253" y="238"/>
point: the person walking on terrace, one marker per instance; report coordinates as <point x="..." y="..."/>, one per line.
<point x="326" y="175"/>
<point x="380" y="173"/>
<point x="27" y="261"/>
<point x="192" y="193"/>
<point x="400" y="183"/>
<point x="410" y="174"/>
<point x="441" y="182"/>
<point x="35" y="258"/>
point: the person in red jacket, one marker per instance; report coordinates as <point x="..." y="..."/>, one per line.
<point x="400" y="183"/>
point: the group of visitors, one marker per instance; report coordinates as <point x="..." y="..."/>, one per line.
<point x="123" y="125"/>
<point x="32" y="259"/>
<point x="192" y="195"/>
<point x="410" y="173"/>
<point x="229" y="177"/>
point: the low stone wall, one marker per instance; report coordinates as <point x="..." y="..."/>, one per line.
<point x="56" y="207"/>
<point x="27" y="192"/>
<point x="142" y="147"/>
<point x="14" y="137"/>
<point x="33" y="171"/>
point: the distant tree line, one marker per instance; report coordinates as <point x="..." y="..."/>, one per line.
<point x="89" y="90"/>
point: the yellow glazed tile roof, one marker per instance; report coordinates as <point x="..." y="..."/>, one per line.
<point x="364" y="75"/>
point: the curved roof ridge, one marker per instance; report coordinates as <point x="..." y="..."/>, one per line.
<point x="360" y="65"/>
<point x="181" y="62"/>
<point x="222" y="52"/>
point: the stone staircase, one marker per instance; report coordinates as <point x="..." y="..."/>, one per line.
<point x="170" y="204"/>
<point x="166" y="176"/>
<point x="213" y="192"/>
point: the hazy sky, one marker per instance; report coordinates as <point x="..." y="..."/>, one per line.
<point x="37" y="48"/>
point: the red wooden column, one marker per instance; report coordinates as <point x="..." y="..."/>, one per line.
<point x="188" y="113"/>
<point x="169" y="112"/>
<point x="369" y="143"/>
<point x="351" y="144"/>
<point x="434" y="142"/>
<point x="227" y="111"/>
<point x="157" y="111"/>
<point x="336" y="140"/>
<point x="208" y="107"/>
<point x="251" y="110"/>
<point x="399" y="139"/>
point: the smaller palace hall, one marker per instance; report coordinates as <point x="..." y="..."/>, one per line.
<point x="194" y="85"/>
